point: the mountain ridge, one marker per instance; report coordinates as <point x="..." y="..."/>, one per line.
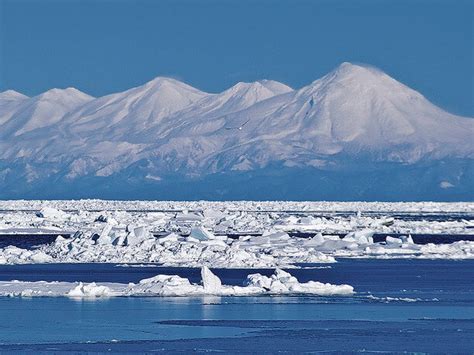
<point x="166" y="129"/>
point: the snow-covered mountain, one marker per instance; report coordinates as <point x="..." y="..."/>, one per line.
<point x="10" y="100"/>
<point x="131" y="112"/>
<point x="24" y="114"/>
<point x="169" y="134"/>
<point x="354" y="111"/>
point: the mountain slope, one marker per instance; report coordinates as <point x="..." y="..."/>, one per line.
<point x="152" y="112"/>
<point x="351" y="125"/>
<point x="206" y="114"/>
<point x="44" y="110"/>
<point x="128" y="114"/>
<point x="9" y="102"/>
<point x="354" y="111"/>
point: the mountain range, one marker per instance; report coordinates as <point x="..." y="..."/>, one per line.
<point x="354" y="134"/>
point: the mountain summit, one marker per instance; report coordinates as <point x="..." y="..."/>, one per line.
<point x="133" y="111"/>
<point x="357" y="110"/>
<point x="355" y="127"/>
<point x="34" y="113"/>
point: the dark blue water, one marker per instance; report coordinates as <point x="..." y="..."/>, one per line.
<point x="440" y="318"/>
<point x="26" y="241"/>
<point x="36" y="240"/>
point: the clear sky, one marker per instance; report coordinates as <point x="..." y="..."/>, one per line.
<point x="104" y="46"/>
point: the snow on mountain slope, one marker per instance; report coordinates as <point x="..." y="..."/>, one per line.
<point x="206" y="114"/>
<point x="9" y="102"/>
<point x="243" y="95"/>
<point x="145" y="128"/>
<point x="40" y="111"/>
<point x="128" y="114"/>
<point x="11" y="95"/>
<point x="362" y="107"/>
<point x="353" y="113"/>
<point x="238" y="97"/>
<point x="354" y="110"/>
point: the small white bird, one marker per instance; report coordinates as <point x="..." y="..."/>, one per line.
<point x="240" y="127"/>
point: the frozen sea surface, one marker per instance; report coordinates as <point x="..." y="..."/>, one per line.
<point x="231" y="234"/>
<point x="399" y="305"/>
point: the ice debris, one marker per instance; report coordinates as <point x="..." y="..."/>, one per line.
<point x="228" y="234"/>
<point x="280" y="283"/>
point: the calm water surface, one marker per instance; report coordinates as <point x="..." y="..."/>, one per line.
<point x="400" y="305"/>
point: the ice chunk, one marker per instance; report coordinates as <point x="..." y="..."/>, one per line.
<point x="105" y="236"/>
<point x="40" y="258"/>
<point x="172" y="285"/>
<point x="187" y="217"/>
<point x="60" y="240"/>
<point x="282" y="282"/>
<point x="172" y="237"/>
<point x="210" y="282"/>
<point x="318" y="239"/>
<point x="393" y="241"/>
<point x="15" y="255"/>
<point x="101" y="218"/>
<point x="407" y="239"/>
<point x="52" y="214"/>
<point x="387" y="222"/>
<point x="136" y="235"/>
<point x="89" y="290"/>
<point x="163" y="285"/>
<point x="200" y="233"/>
<point x="361" y="237"/>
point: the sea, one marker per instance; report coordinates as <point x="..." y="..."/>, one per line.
<point x="399" y="306"/>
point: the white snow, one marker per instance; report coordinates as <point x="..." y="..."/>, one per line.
<point x="40" y="111"/>
<point x="281" y="283"/>
<point x="52" y="214"/>
<point x="174" y="127"/>
<point x="210" y="282"/>
<point x="196" y="233"/>
<point x="89" y="290"/>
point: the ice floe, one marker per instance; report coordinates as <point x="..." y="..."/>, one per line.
<point x="233" y="217"/>
<point x="280" y="283"/>
<point x="400" y="299"/>
<point x="229" y="234"/>
<point x="277" y="249"/>
<point x="270" y="250"/>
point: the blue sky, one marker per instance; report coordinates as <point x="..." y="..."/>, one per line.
<point x="105" y="46"/>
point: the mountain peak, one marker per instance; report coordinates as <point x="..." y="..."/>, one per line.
<point x="265" y="84"/>
<point x="44" y="110"/>
<point x="353" y="115"/>
<point x="163" y="80"/>
<point x="60" y="94"/>
<point x="257" y="90"/>
<point x="351" y="66"/>
<point x="163" y="83"/>
<point x="12" y="95"/>
<point x="359" y="81"/>
<point x="347" y="68"/>
<point x="275" y="86"/>
<point x="163" y="89"/>
<point x="357" y="72"/>
<point x="243" y="95"/>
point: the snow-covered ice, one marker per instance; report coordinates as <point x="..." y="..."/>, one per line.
<point x="229" y="234"/>
<point x="280" y="283"/>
